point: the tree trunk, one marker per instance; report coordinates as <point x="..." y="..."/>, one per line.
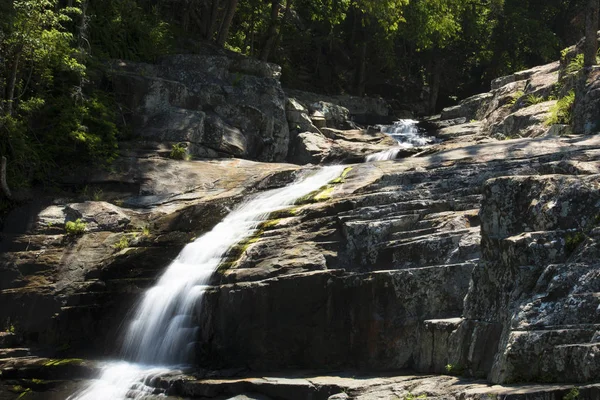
<point x="267" y="46"/>
<point x="591" y="37"/>
<point x="224" y="31"/>
<point x="286" y="15"/>
<point x="208" y="18"/>
<point x="359" y="34"/>
<point x="3" y="183"/>
<point x="214" y="16"/>
<point x="435" y="79"/>
<point x="361" y="69"/>
<point x="12" y="83"/>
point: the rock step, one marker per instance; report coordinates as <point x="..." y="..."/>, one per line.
<point x="14" y="353"/>
<point x="432" y="237"/>
<point x="21" y="243"/>
<point x="349" y="385"/>
<point x="569" y="356"/>
<point x="436" y="249"/>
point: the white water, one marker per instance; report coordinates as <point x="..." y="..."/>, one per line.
<point x="406" y="133"/>
<point x="163" y="332"/>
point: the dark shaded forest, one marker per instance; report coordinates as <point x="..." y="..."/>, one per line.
<point x="56" y="110"/>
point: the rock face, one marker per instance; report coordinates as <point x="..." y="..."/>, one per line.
<point x="218" y="104"/>
<point x="474" y="257"/>
<point x="341" y="281"/>
<point x="370" y="273"/>
<point x="517" y="106"/>
<point x="71" y="292"/>
<point x="534" y="294"/>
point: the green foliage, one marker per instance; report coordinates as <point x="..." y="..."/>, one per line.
<point x="411" y="396"/>
<point x="561" y="112"/>
<point x="516" y="97"/>
<point x="75" y="228"/>
<point x="145" y="231"/>
<point x="439" y="22"/>
<point x="122" y="244"/>
<point x="9" y="326"/>
<point x="178" y="152"/>
<point x="452" y="369"/>
<point x="573" y="240"/>
<point x="532" y="99"/>
<point x="57" y="362"/>
<point x="126" y="30"/>
<point x="98" y="194"/>
<point x="572" y="395"/>
<point x="575" y="65"/>
<point x="53" y="119"/>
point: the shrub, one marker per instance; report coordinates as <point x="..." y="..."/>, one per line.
<point x="145" y="230"/>
<point x="128" y="29"/>
<point x="575" y="65"/>
<point x="572" y="395"/>
<point x="178" y="152"/>
<point x="561" y="112"/>
<point x="75" y="228"/>
<point x="532" y="99"/>
<point x="516" y="97"/>
<point x="122" y="243"/>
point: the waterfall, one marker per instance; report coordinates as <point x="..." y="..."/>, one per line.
<point x="406" y="133"/>
<point x="162" y="333"/>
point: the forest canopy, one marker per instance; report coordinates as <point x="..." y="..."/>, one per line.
<point x="55" y="111"/>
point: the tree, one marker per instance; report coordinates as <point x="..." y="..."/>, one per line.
<point x="47" y="111"/>
<point x="368" y="16"/>
<point x="591" y="37"/>
<point x="434" y="26"/>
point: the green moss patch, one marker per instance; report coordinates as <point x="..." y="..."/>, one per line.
<point x="63" y="361"/>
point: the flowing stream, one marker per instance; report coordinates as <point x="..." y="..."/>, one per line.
<point x="162" y="334"/>
<point x="406" y="133"/>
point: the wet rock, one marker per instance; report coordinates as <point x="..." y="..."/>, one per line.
<point x="338" y="145"/>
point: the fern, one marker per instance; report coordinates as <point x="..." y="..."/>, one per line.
<point x="575" y="65"/>
<point x="532" y="99"/>
<point x="516" y="97"/>
<point x="561" y="112"/>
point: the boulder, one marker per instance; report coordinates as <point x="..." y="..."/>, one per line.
<point x="310" y="148"/>
<point x="526" y="122"/>
<point x="230" y="105"/>
<point x="339" y="145"/>
<point x="98" y="216"/>
<point x="297" y="117"/>
<point x="469" y="108"/>
<point x="525" y="75"/>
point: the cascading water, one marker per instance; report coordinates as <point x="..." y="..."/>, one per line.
<point x="162" y="331"/>
<point x="406" y="133"/>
